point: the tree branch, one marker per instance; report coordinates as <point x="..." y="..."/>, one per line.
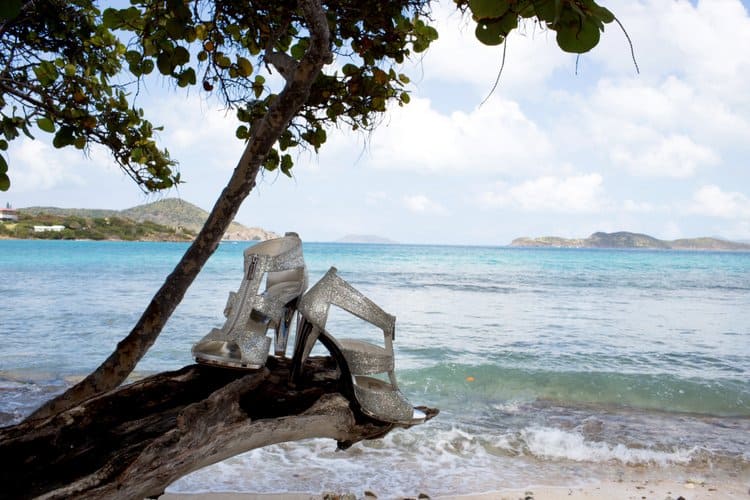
<point x="283" y="62"/>
<point x="135" y="441"/>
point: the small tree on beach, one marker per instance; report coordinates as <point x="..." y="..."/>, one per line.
<point x="290" y="69"/>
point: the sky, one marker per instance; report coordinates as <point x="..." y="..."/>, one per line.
<point x="553" y="151"/>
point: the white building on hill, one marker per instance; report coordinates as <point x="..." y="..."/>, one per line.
<point x="8" y="214"/>
<point x="42" y="229"/>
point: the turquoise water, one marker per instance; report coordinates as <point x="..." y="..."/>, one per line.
<point x="583" y="361"/>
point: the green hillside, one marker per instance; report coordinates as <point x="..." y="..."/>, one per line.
<point x="624" y="239"/>
<point x="175" y="216"/>
<point x="70" y="212"/>
<point x="44" y="226"/>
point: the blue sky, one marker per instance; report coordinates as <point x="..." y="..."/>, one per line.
<point x="551" y="152"/>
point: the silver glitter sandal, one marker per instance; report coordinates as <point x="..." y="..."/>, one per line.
<point x="379" y="399"/>
<point x="242" y="342"/>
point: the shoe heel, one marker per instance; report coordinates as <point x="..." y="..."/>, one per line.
<point x="307" y="335"/>
<point x="357" y="360"/>
<point x="281" y="337"/>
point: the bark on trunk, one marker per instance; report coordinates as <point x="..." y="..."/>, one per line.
<point x="114" y="370"/>
<point x="132" y="442"/>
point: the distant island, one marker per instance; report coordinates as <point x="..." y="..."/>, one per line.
<point x="170" y="219"/>
<point x="625" y="239"/>
<point x="364" y="238"/>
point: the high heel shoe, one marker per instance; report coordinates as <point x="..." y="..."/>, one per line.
<point x="242" y="342"/>
<point x="357" y="359"/>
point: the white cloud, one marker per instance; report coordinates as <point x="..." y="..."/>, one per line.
<point x="711" y="200"/>
<point x="457" y="56"/>
<point x="495" y="137"/>
<point x="702" y="41"/>
<point x="638" y="206"/>
<point x="195" y="128"/>
<point x="673" y="156"/>
<point x="421" y="204"/>
<point x="375" y="198"/>
<point x="671" y="103"/>
<point x="37" y="166"/>
<point x="574" y="194"/>
<point x="687" y="110"/>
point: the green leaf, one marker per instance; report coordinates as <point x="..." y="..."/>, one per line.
<point x="63" y="137"/>
<point x="577" y="36"/>
<point x="488" y="9"/>
<point x="489" y="33"/>
<point x="508" y="22"/>
<point x="129" y="15"/>
<point x="180" y="56"/>
<point x="244" y="66"/>
<point x="4" y="182"/>
<point x="545" y="10"/>
<point x="603" y="13"/>
<point x="111" y="18"/>
<point x="350" y="69"/>
<point x="164" y="64"/>
<point x="3" y="165"/>
<point x="175" y="28"/>
<point x="3" y="145"/>
<point x="46" y="72"/>
<point x="527" y="11"/>
<point x="558" y="11"/>
<point x="10" y="9"/>
<point x="241" y="132"/>
<point x="298" y="51"/>
<point x="147" y="66"/>
<point x="46" y="124"/>
<point x="272" y="160"/>
<point x="222" y="61"/>
<point x="186" y="78"/>
<point x="286" y="165"/>
<point x="133" y="56"/>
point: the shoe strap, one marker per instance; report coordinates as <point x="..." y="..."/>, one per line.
<point x="334" y="290"/>
<point x="279" y="254"/>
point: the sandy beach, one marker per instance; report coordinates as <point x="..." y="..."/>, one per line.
<point x="616" y="490"/>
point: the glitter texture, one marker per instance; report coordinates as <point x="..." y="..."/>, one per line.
<point x="250" y="314"/>
<point x="376" y="398"/>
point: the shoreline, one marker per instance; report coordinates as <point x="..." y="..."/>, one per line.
<point x="465" y="245"/>
<point x="635" y="489"/>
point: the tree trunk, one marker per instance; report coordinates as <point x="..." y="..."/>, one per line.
<point x="133" y="441"/>
<point x="299" y="78"/>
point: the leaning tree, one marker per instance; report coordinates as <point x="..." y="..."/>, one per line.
<point x="69" y="69"/>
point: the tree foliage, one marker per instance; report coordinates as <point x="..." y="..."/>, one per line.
<point x="60" y="70"/>
<point x="63" y="70"/>
<point x="71" y="70"/>
<point x="577" y="23"/>
<point x="224" y="45"/>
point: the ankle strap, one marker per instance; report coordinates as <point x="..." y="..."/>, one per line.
<point x="332" y="289"/>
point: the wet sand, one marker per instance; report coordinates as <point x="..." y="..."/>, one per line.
<point x="616" y="490"/>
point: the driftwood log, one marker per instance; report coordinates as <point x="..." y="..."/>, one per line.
<point x="134" y="441"/>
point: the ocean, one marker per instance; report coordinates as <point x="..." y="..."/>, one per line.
<point x="549" y="366"/>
